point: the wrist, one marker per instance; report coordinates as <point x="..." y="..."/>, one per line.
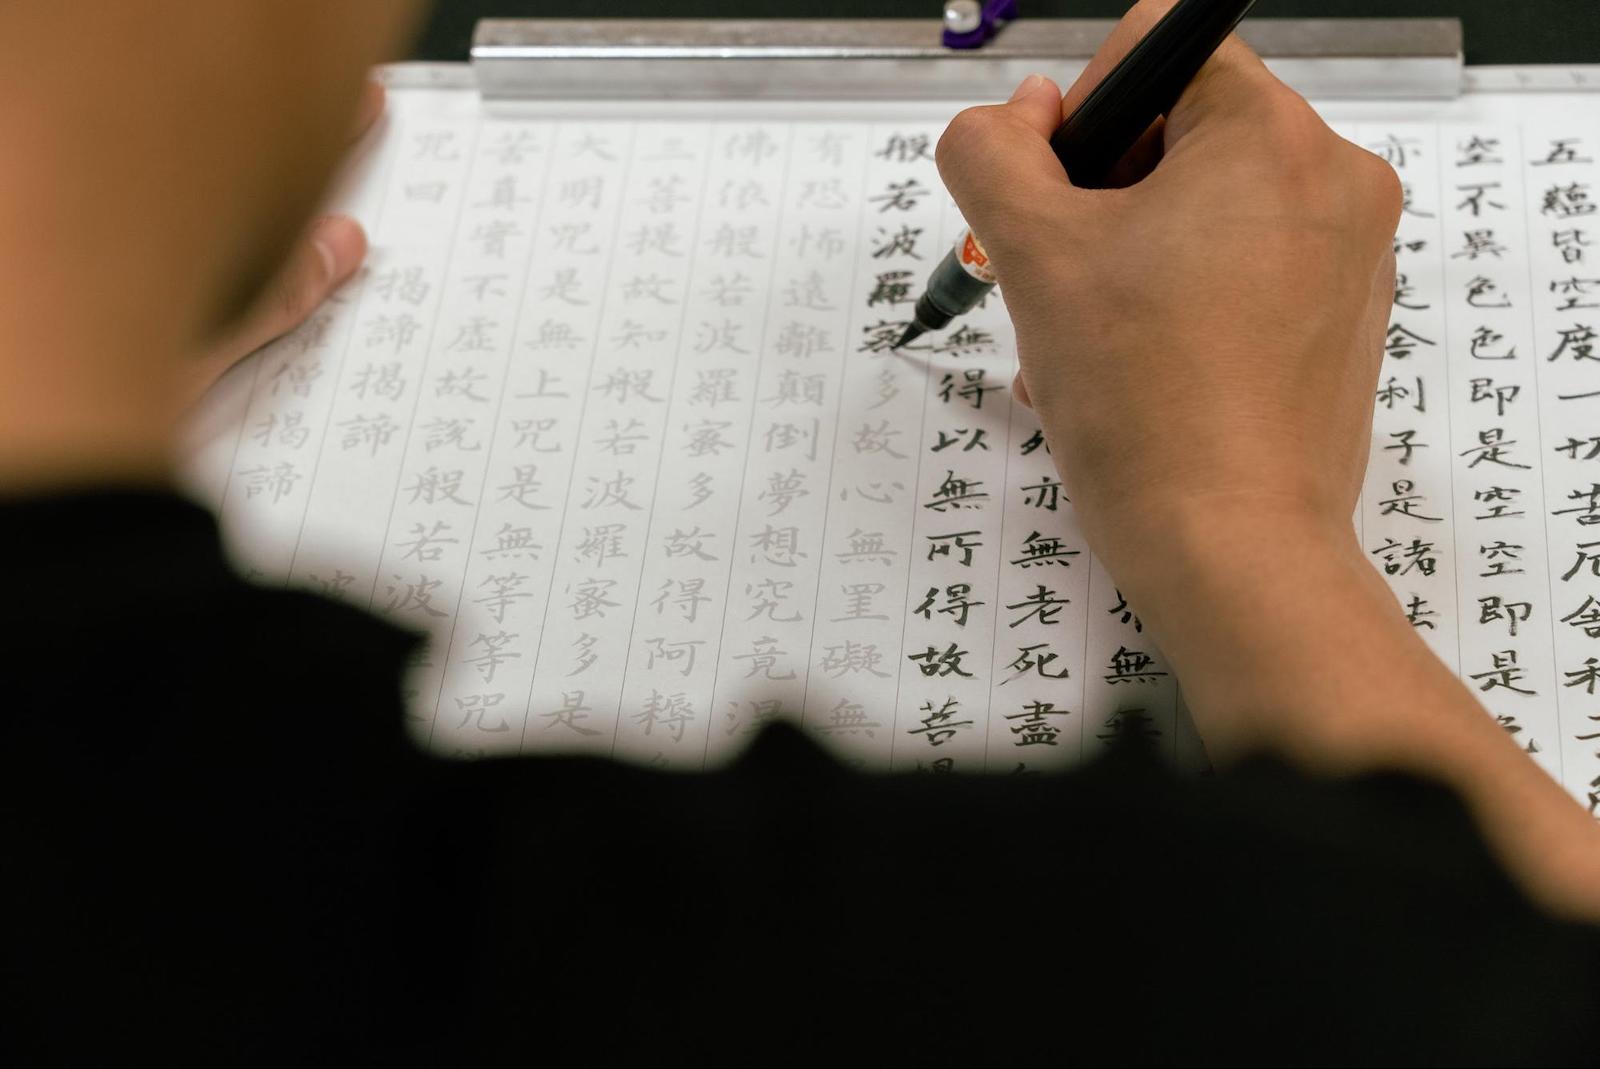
<point x="1276" y="626"/>
<point x="1221" y="543"/>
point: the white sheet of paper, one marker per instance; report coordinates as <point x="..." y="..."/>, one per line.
<point x="611" y="416"/>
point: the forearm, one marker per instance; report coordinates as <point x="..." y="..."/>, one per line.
<point x="1286" y="640"/>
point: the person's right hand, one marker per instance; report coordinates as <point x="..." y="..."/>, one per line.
<point x="1202" y="348"/>
<point x="1203" y="344"/>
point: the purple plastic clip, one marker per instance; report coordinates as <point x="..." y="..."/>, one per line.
<point x="991" y="17"/>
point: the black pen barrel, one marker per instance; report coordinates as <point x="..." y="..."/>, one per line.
<point x="1143" y="87"/>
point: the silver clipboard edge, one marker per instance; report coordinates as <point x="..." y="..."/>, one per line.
<point x="766" y="59"/>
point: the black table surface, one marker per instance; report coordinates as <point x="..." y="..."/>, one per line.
<point x="1497" y="31"/>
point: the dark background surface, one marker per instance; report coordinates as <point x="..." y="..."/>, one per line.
<point x="1497" y="31"/>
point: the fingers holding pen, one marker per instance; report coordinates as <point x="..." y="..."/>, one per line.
<point x="1231" y="88"/>
<point x="1038" y="107"/>
<point x="997" y="163"/>
<point x="986" y="149"/>
<point x="1129" y="31"/>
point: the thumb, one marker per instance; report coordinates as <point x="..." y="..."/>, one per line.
<point x="322" y="261"/>
<point x="1037" y="102"/>
<point x="997" y="163"/>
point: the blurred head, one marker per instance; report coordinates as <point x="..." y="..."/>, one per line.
<point x="162" y="155"/>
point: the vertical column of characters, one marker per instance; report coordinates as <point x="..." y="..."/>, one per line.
<point x="1501" y="576"/>
<point x="359" y="469"/>
<point x="1561" y="169"/>
<point x="1042" y="564"/>
<point x="505" y="595"/>
<point x="285" y="424"/>
<point x="450" y="436"/>
<point x="1128" y="688"/>
<point x="946" y="668"/>
<point x="584" y="644"/>
<point x="453" y="416"/>
<point x="1408" y="525"/>
<point x="768" y="615"/>
<point x="852" y="680"/>
<point x="666" y="712"/>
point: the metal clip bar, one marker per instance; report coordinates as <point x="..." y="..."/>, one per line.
<point x="765" y="59"/>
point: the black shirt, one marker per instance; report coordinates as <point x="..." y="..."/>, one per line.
<point x="219" y="846"/>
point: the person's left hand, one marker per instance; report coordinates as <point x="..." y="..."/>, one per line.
<point x="323" y="260"/>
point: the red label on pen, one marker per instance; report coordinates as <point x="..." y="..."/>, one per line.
<point x="973" y="258"/>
